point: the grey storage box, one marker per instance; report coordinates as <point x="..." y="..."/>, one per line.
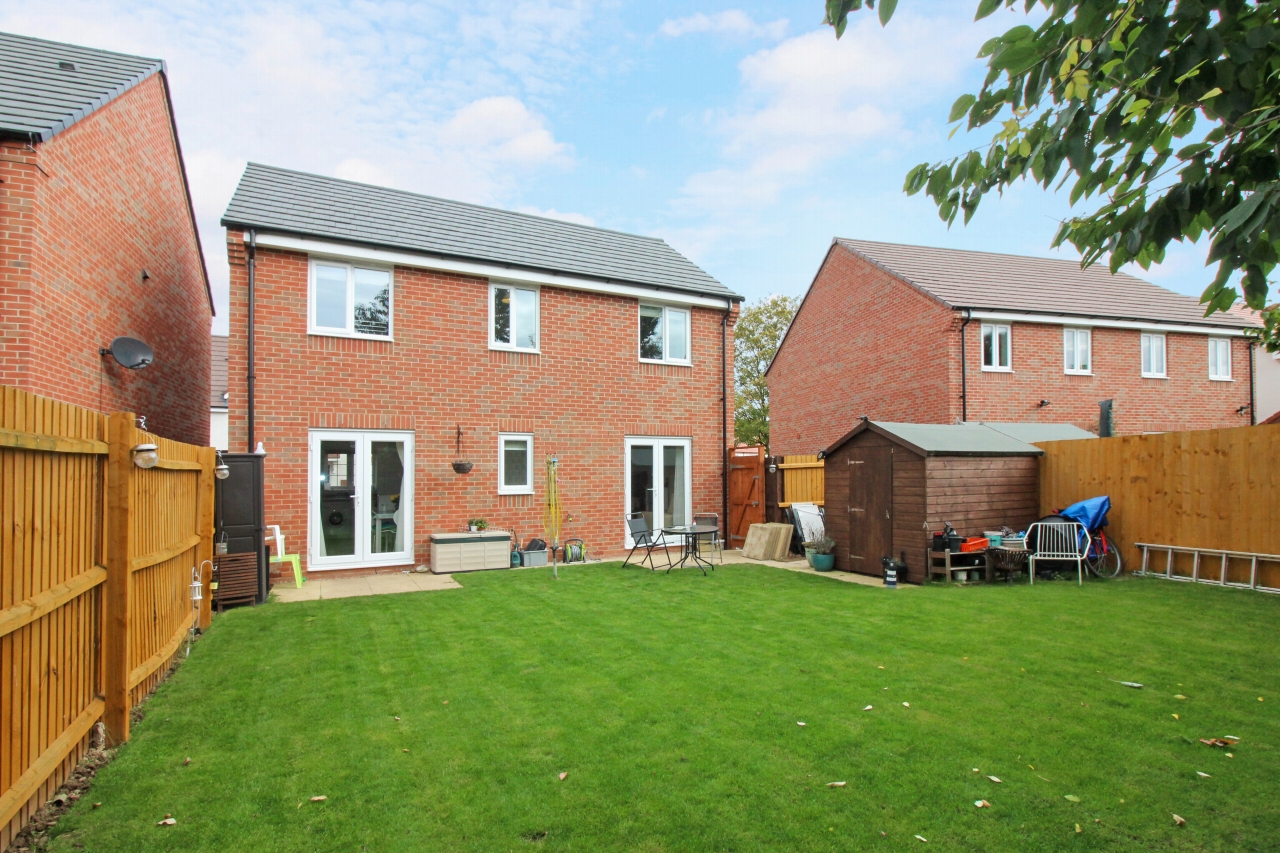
<point x="470" y="552"/>
<point x="529" y="559"/>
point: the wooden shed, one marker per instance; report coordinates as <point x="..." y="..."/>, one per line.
<point x="890" y="485"/>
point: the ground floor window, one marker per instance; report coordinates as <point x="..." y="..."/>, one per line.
<point x="659" y="481"/>
<point x="361" y="498"/>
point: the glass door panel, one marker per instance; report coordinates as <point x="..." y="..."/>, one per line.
<point x="675" y="502"/>
<point x="337" y="498"/>
<point x="642" y="481"/>
<point x="386" y="483"/>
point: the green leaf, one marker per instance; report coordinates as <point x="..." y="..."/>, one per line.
<point x="916" y="179"/>
<point x="985" y="8"/>
<point x="886" y="10"/>
<point x="1212" y="93"/>
<point x="961" y="107"/>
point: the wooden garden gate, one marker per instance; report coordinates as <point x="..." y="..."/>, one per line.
<point x="746" y="492"/>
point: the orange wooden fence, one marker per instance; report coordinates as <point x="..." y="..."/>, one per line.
<point x="803" y="480"/>
<point x="95" y="568"/>
<point x="1209" y="489"/>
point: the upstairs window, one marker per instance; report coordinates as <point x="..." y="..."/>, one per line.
<point x="1153" y="357"/>
<point x="1220" y="359"/>
<point x="514" y="317"/>
<point x="1076" y="351"/>
<point x="995" y="348"/>
<point x="350" y="301"/>
<point x="664" y="334"/>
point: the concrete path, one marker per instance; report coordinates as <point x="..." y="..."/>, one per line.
<point x="799" y="564"/>
<point x="388" y="584"/>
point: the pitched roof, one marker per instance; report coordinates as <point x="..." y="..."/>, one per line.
<point x="288" y="202"/>
<point x="966" y="439"/>
<point x="218" y="373"/>
<point x="988" y="281"/>
<point x="1034" y="432"/>
<point x="47" y="86"/>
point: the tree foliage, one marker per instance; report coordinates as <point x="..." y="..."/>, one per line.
<point x="755" y="340"/>
<point x="1167" y="112"/>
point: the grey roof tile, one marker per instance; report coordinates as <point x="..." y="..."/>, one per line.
<point x="40" y="98"/>
<point x="985" y="280"/>
<point x="284" y="201"/>
<point x="1033" y="432"/>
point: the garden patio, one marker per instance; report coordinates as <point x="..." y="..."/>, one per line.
<point x="618" y="709"/>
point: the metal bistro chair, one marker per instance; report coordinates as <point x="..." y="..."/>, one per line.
<point x="1057" y="540"/>
<point x="712" y="540"/>
<point x="646" y="540"/>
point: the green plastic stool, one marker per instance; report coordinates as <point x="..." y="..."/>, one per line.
<point x="297" y="567"/>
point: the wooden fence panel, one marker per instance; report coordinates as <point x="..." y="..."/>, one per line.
<point x="56" y="583"/>
<point x="803" y="480"/>
<point x="1216" y="489"/>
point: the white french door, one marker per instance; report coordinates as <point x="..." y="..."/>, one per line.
<point x="659" y="481"/>
<point x="360" y="499"/>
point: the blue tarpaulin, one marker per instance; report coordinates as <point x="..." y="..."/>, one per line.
<point x="1091" y="513"/>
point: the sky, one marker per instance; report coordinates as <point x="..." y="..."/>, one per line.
<point x="742" y="133"/>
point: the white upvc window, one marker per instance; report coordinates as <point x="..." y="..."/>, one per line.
<point x="996" y="351"/>
<point x="515" y="463"/>
<point x="346" y="300"/>
<point x="1077" y="355"/>
<point x="664" y="334"/>
<point x="1153" y="356"/>
<point x="1220" y="359"/>
<point x="513" y="317"/>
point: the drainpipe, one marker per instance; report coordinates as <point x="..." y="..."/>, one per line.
<point x="964" y="367"/>
<point x="1253" y="409"/>
<point x="724" y="418"/>
<point x="253" y="257"/>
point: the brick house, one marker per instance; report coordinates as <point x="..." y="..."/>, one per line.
<point x="922" y="335"/>
<point x="98" y="237"/>
<point x="395" y="333"/>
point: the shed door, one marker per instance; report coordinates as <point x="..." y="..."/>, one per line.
<point x="870" y="508"/>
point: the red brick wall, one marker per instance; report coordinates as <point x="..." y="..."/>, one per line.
<point x="863" y="343"/>
<point x="1188" y="399"/>
<point x="80" y="218"/>
<point x="579" y="398"/>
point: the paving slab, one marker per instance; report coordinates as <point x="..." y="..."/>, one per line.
<point x="319" y="588"/>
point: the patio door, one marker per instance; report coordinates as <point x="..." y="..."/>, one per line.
<point x="659" y="481"/>
<point x="361" y="499"/>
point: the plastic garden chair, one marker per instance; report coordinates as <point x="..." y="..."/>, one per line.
<point x="282" y="557"/>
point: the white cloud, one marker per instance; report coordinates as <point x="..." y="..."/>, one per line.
<point x="655" y="114"/>
<point x="732" y="22"/>
<point x="504" y="127"/>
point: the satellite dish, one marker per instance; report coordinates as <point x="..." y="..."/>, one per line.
<point x="130" y="352"/>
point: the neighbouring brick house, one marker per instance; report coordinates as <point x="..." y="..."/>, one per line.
<point x="922" y="335"/>
<point x="396" y="333"/>
<point x="97" y="236"/>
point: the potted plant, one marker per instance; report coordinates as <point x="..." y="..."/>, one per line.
<point x="477" y="524"/>
<point x="819" y="554"/>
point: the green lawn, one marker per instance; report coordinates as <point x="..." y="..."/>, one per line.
<point x="672" y="702"/>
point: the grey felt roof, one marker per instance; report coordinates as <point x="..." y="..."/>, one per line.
<point x="985" y="280"/>
<point x="39" y="98"/>
<point x="967" y="439"/>
<point x="218" y="371"/>
<point x="1032" y="432"/>
<point x="288" y="202"/>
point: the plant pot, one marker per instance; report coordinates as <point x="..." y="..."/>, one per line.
<point x="475" y="529"/>
<point x="822" y="562"/>
<point x="462" y="467"/>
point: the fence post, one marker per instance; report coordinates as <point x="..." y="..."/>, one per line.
<point x="121" y="438"/>
<point x="204" y="521"/>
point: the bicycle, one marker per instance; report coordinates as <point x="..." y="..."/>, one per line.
<point x="1103" y="557"/>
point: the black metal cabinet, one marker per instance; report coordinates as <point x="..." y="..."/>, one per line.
<point x="239" y="517"/>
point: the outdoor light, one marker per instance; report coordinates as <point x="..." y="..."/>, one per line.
<point x="221" y="471"/>
<point x="197" y="587"/>
<point x="773" y="467"/>
<point x="146" y="455"/>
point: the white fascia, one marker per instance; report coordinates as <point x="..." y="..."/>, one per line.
<point x="1100" y="323"/>
<point x="492" y="272"/>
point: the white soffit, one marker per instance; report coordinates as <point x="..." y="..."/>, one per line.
<point x="1104" y="323"/>
<point x="492" y="272"/>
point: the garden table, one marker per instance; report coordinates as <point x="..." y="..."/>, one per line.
<point x="692" y="535"/>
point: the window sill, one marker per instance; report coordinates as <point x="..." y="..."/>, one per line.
<point x="339" y="333"/>
<point x="670" y="362"/>
<point x="1221" y="379"/>
<point x="1077" y="373"/>
<point x="505" y="492"/>
<point x="986" y="369"/>
<point x="503" y="348"/>
<point x="1155" y="376"/>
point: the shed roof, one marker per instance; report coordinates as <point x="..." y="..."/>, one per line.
<point x="218" y="371"/>
<point x="1033" y="432"/>
<point x="967" y="439"/>
<point x="994" y="282"/>
<point x="288" y="202"/>
<point x="40" y="96"/>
